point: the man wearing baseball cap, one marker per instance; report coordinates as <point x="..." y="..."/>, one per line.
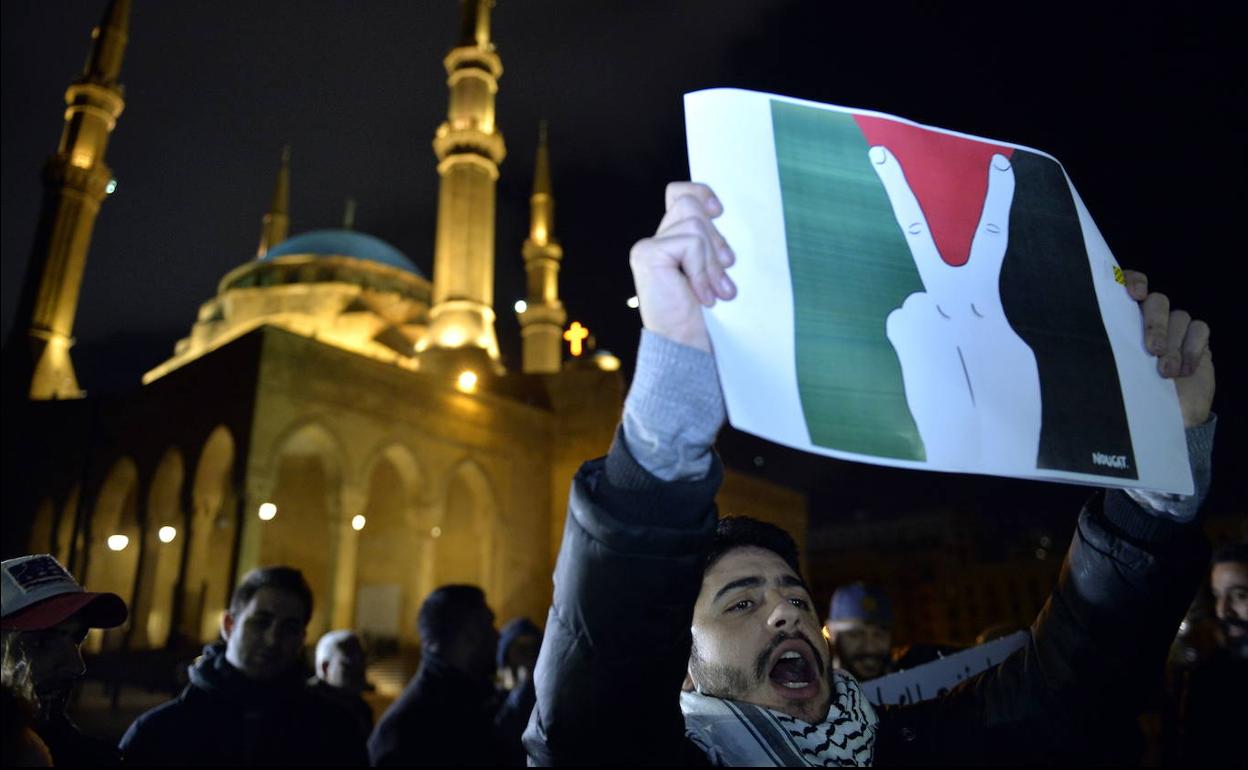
<point x="45" y="617"/>
<point x="860" y="630"/>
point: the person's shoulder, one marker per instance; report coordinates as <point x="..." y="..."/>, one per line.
<point x="163" y="714"/>
<point x="416" y="710"/>
<point x="155" y="730"/>
<point x="324" y="705"/>
<point x="420" y="690"/>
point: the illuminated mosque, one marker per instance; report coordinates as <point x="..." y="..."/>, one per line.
<point x="331" y="408"/>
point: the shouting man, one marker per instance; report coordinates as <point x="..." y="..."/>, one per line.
<point x="651" y="588"/>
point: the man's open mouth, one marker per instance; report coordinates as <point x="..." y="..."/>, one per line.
<point x="793" y="668"/>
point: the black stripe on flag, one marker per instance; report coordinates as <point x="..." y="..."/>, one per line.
<point x="1049" y="299"/>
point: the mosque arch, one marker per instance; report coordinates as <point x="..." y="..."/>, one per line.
<point x="387" y="577"/>
<point x="212" y="532"/>
<point x="312" y="436"/>
<point x="153" y="607"/>
<point x="464" y="550"/>
<point x="403" y="460"/>
<point x="112" y="561"/>
<point x="307" y="466"/>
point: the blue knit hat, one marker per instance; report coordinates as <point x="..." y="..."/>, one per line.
<point x="862" y="603"/>
<point x="512" y="631"/>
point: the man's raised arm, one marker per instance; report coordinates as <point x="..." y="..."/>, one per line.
<point x="641" y="520"/>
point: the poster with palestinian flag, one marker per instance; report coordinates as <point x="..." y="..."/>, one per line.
<point x="916" y="297"/>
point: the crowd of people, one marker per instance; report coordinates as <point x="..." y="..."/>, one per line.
<point x="249" y="702"/>
<point x="677" y="636"/>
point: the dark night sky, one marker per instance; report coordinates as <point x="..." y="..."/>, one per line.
<point x="1145" y="109"/>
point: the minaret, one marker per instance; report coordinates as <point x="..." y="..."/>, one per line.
<point x="275" y="225"/>
<point x="469" y="148"/>
<point x="76" y="179"/>
<point x="541" y="322"/>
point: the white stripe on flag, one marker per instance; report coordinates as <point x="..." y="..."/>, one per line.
<point x="753" y="224"/>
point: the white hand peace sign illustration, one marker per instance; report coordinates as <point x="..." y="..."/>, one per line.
<point x="971" y="382"/>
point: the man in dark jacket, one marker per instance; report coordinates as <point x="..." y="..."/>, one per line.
<point x="248" y="702"/>
<point x="518" y="646"/>
<point x="651" y="588"/>
<point x="1215" y="698"/>
<point x="445" y="716"/>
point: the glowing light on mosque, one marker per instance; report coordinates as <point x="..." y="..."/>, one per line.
<point x="608" y="362"/>
<point x="633" y="302"/>
<point x="111" y="187"/>
<point x="358" y="522"/>
<point x="267" y="511"/>
<point x="467" y="381"/>
<point x="166" y="534"/>
<point x="118" y="542"/>
<point x="521" y="306"/>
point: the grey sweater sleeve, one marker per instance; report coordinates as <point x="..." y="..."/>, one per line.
<point x="674" y="409"/>
<point x="1183" y="508"/>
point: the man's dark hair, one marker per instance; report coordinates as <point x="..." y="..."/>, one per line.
<point x="743" y="531"/>
<point x="1231" y="552"/>
<point x="445" y="613"/>
<point x="281" y="578"/>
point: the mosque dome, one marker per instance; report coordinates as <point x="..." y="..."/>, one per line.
<point x="344" y="243"/>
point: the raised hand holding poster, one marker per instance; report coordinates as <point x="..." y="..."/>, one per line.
<point x="916" y="297"/>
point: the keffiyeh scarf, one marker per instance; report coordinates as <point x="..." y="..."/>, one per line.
<point x="735" y="734"/>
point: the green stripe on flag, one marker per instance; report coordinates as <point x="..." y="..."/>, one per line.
<point x="851" y="267"/>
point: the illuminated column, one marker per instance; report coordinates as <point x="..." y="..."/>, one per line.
<point x="469" y="148"/>
<point x="259" y="493"/>
<point x="346" y="556"/>
<point x="541" y="321"/>
<point x="275" y="225"/>
<point x="76" y="179"/>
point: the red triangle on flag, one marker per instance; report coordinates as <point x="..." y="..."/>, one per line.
<point x="948" y="175"/>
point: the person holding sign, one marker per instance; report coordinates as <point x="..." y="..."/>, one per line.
<point x="652" y="588"/>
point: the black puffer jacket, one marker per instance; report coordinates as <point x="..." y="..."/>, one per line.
<point x="629" y="571"/>
<point x="224" y="718"/>
<point x="443" y="718"/>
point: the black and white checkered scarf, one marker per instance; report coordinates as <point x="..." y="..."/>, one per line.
<point x="735" y="734"/>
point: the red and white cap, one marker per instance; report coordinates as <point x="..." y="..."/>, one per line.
<point x="39" y="593"/>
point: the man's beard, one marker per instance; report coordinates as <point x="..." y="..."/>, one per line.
<point x="732" y="683"/>
<point x="718" y="679"/>
<point x="852" y="663"/>
<point x="1236" y="644"/>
